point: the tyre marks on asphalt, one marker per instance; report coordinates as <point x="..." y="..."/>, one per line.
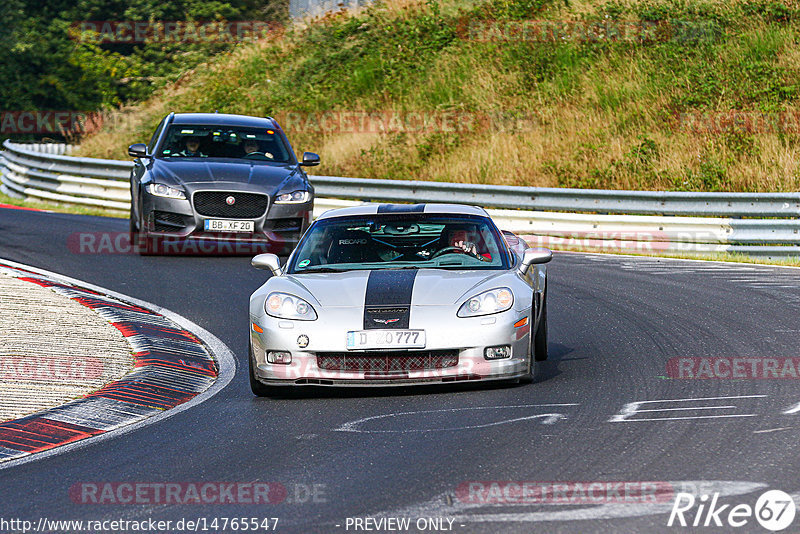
<point x="171" y="367"/>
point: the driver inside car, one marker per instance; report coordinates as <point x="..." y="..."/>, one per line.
<point x="251" y="147"/>
<point x="467" y="238"/>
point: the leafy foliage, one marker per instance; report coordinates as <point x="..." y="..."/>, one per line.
<point x="46" y="64"/>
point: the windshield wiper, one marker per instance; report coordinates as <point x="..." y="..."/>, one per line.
<point x="322" y="270"/>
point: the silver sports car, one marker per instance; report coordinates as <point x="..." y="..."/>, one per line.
<point x="384" y="294"/>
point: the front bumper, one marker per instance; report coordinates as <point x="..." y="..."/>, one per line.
<point x="172" y="220"/>
<point x="465" y="338"/>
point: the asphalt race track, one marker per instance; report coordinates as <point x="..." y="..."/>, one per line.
<point x="614" y="323"/>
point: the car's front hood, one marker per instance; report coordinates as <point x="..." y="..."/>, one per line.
<point x="206" y="172"/>
<point x="423" y="287"/>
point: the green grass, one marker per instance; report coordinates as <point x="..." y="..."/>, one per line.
<point x="588" y="107"/>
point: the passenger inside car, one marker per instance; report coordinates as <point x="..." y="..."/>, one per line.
<point x="192" y="148"/>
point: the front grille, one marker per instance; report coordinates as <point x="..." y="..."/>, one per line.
<point x="245" y="206"/>
<point x="164" y="221"/>
<point x="387" y="362"/>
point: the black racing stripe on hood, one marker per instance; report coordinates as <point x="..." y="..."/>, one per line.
<point x="401" y="208"/>
<point x="387" y="301"/>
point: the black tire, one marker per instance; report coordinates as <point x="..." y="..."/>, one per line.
<point x="540" y="340"/>
<point x="530" y="374"/>
<point x="538" y="350"/>
<point x="144" y="244"/>
<point x="258" y="389"/>
<point x="133" y="231"/>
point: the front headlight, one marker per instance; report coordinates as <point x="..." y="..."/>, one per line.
<point x="493" y="301"/>
<point x="161" y="190"/>
<point x="286" y="306"/>
<point x="295" y="197"/>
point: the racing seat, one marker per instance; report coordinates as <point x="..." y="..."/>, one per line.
<point x="351" y="246"/>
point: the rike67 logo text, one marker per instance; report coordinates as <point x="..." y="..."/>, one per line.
<point x="774" y="510"/>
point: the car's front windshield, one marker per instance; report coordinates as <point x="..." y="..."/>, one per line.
<point x="249" y="144"/>
<point x="411" y="241"/>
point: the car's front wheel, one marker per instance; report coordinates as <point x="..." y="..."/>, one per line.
<point x="140" y="241"/>
<point x="538" y="350"/>
<point x="540" y="340"/>
<point x="133" y="230"/>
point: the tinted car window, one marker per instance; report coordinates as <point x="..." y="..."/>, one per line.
<point x="224" y="142"/>
<point x="400" y="241"/>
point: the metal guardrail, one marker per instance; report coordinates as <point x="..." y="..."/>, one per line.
<point x="562" y="199"/>
<point x="58" y="149"/>
<point x="26" y="171"/>
<point x="654" y="220"/>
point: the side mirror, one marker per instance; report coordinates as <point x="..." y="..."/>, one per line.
<point x="267" y="261"/>
<point x="138" y="150"/>
<point x="534" y="256"/>
<point x="310" y="159"/>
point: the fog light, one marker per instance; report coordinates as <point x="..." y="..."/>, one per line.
<point x="497" y="353"/>
<point x="279" y="357"/>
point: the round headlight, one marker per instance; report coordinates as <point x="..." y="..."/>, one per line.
<point x="286" y="306"/>
<point x="504" y="299"/>
<point x="274" y="303"/>
<point x="492" y="301"/>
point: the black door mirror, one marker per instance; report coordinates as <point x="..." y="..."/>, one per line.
<point x="310" y="159"/>
<point x="138" y="150"/>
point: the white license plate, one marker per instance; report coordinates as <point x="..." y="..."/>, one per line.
<point x="386" y="339"/>
<point x="217" y="225"/>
